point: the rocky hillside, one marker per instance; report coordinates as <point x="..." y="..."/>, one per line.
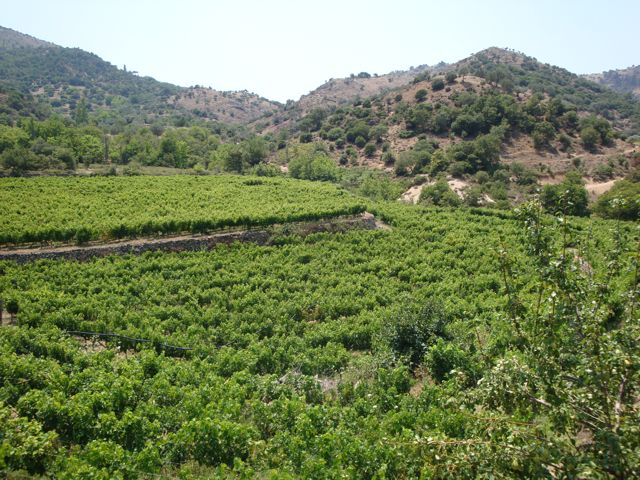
<point x="625" y="81"/>
<point x="235" y="107"/>
<point x="340" y="91"/>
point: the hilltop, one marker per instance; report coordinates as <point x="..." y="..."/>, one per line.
<point x="65" y="77"/>
<point x="11" y="39"/>
<point x="340" y="91"/>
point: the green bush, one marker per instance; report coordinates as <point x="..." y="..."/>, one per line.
<point x="439" y="194"/>
<point x="421" y="95"/>
<point x="590" y="138"/>
<point x="317" y="166"/>
<point x="569" y="197"/>
<point x="411" y="331"/>
<point x="443" y="357"/>
<point x="621" y="202"/>
<point x="437" y="84"/>
<point x="370" y="150"/>
<point x="543" y="134"/>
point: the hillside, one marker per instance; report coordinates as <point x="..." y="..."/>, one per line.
<point x="626" y="80"/>
<point x="11" y="39"/>
<point x="64" y="76"/>
<point x="340" y="91"/>
<point x="497" y="112"/>
<point x="234" y="107"/>
<point x="494" y="109"/>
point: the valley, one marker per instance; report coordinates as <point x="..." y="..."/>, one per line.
<point x="430" y="273"/>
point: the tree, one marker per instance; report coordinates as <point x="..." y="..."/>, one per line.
<point x="313" y="121"/>
<point x="231" y="157"/>
<point x="437" y="84"/>
<point x="316" y="166"/>
<point x="621" y="202"/>
<point x="590" y="138"/>
<point x="421" y="95"/>
<point x="569" y="197"/>
<point x="542" y="135"/>
<point x="439" y="194"/>
<point x="255" y="150"/>
<point x="81" y="114"/>
<point x="12" y="309"/>
<point x="450" y="77"/>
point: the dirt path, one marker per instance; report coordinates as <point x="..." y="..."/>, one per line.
<point x="191" y="242"/>
<point x="596" y="189"/>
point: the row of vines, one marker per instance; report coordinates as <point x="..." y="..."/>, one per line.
<point x="456" y="345"/>
<point x="53" y="209"/>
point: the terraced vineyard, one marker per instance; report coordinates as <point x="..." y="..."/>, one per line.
<point x="466" y="344"/>
<point x="83" y="209"/>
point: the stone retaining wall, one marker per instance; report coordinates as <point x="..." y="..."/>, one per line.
<point x="189" y="243"/>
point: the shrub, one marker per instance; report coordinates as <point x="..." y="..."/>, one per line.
<point x="335" y="133"/>
<point x="602" y="172"/>
<point x="437" y="84"/>
<point x="439" y="194"/>
<point x="421" y="95"/>
<point x="565" y="142"/>
<point x="317" y="166"/>
<point x="370" y="150"/>
<point x="621" y="202"/>
<point x="569" y="197"/>
<point x="543" y="134"/>
<point x="410" y="332"/>
<point x="590" y="138"/>
<point x="443" y="357"/>
<point x="388" y="158"/>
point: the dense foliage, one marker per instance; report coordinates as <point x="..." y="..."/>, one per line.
<point x="568" y="197"/>
<point x="415" y="351"/>
<point x="82" y="209"/>
<point x="68" y="75"/>
<point x="621" y="202"/>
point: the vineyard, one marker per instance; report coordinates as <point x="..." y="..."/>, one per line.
<point x="83" y="209"/>
<point x="458" y="344"/>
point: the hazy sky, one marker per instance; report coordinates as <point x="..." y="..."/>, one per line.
<point x="282" y="49"/>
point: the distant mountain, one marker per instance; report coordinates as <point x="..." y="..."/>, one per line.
<point x="62" y="77"/>
<point x="625" y="80"/>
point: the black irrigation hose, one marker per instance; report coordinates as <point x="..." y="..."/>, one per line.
<point x="79" y="333"/>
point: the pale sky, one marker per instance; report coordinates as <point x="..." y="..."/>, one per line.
<point x="282" y="49"/>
